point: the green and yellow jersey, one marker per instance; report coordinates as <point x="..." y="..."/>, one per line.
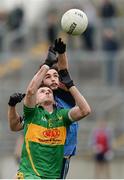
<point x="43" y="148"/>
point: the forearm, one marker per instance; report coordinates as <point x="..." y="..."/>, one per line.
<point x="62" y="61"/>
<point x="37" y="80"/>
<point x="80" y="100"/>
<point x="30" y="98"/>
<point x="14" y="119"/>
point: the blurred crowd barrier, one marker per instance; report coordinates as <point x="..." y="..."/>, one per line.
<point x="25" y="37"/>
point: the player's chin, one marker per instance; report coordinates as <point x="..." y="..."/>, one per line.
<point x="54" y="87"/>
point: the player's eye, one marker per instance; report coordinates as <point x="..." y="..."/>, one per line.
<point x="47" y="77"/>
<point x="42" y="91"/>
<point x="49" y="91"/>
<point x="56" y="76"/>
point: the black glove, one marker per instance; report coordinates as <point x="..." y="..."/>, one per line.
<point x="51" y="57"/>
<point x="65" y="78"/>
<point x="59" y="46"/>
<point x="15" y="98"/>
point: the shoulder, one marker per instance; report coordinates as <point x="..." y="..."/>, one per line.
<point x="65" y="95"/>
<point x="60" y="90"/>
<point x="62" y="110"/>
<point x="29" y="110"/>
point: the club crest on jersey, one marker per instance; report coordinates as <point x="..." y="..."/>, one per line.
<point x="60" y="118"/>
<point x="51" y="133"/>
<point x="43" y="119"/>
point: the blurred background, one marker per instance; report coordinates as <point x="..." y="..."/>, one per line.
<point x="96" y="62"/>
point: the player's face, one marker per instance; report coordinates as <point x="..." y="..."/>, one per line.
<point x="51" y="79"/>
<point x="45" y="95"/>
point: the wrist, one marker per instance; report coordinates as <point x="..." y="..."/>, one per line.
<point x="11" y="104"/>
<point x="69" y="84"/>
<point x="65" y="78"/>
<point x="61" y="52"/>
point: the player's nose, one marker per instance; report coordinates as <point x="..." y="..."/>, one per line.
<point x="47" y="92"/>
<point x="52" y="79"/>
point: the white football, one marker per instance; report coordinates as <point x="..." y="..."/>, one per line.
<point x="74" y="22"/>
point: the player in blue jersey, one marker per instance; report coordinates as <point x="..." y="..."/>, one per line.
<point x="63" y="99"/>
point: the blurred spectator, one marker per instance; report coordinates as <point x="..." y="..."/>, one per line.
<point x="52" y="26"/>
<point x="15" y="19"/>
<point x="111" y="47"/>
<point x="2" y="28"/>
<point x="88" y="35"/>
<point x="107" y="11"/>
<point x="15" y="24"/>
<point x="101" y="142"/>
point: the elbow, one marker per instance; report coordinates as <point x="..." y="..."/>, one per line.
<point x="13" y="128"/>
<point x="14" y="124"/>
<point x="86" y="112"/>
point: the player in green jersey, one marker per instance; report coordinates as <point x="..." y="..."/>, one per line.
<point x="45" y="127"/>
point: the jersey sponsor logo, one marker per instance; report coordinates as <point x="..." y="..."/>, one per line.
<point x="51" y="133"/>
<point x="43" y="135"/>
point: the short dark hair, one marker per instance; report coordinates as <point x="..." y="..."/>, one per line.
<point x="55" y="66"/>
<point x="43" y="85"/>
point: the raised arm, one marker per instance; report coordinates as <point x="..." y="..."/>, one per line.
<point x="30" y="98"/>
<point x="60" y="47"/>
<point x="15" y="121"/>
<point x="82" y="108"/>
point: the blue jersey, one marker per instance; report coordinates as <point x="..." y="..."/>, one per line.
<point x="64" y="99"/>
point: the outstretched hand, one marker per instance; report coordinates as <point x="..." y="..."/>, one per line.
<point x="59" y="46"/>
<point x="65" y="78"/>
<point x="15" y="98"/>
<point x="51" y="57"/>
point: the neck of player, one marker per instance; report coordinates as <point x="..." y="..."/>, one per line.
<point x="47" y="106"/>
